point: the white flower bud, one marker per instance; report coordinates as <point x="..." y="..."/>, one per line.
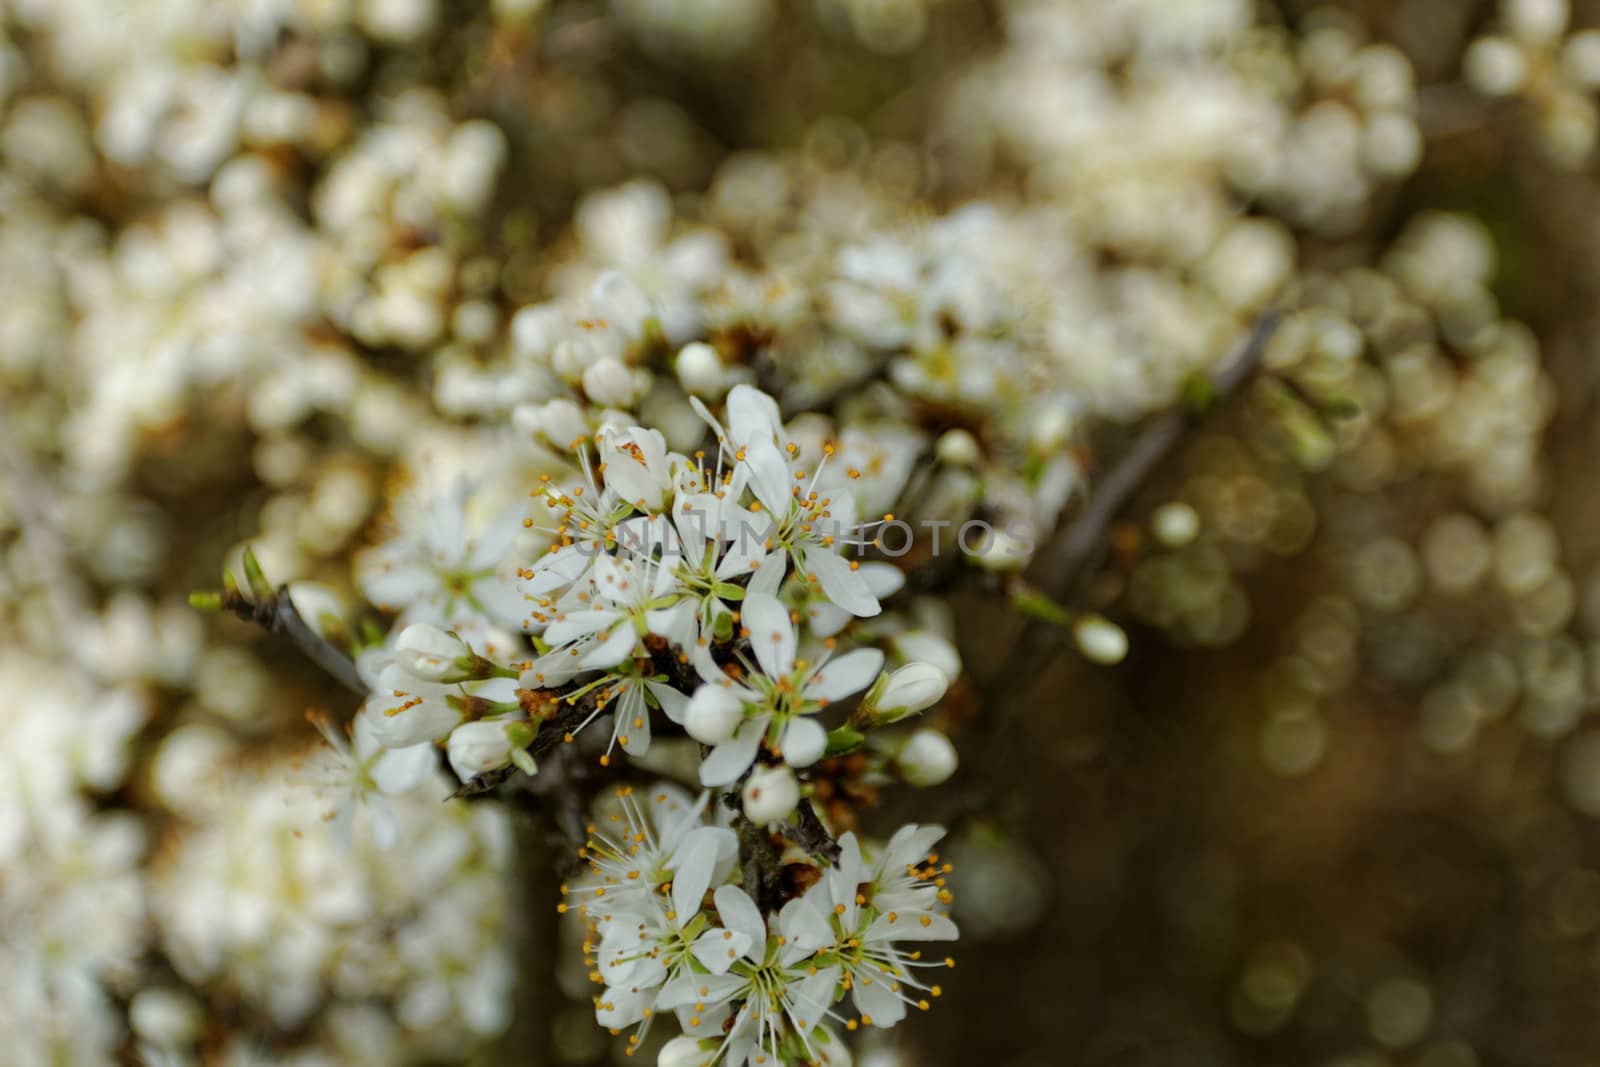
<point x="1495" y="66"/>
<point x="607" y="381"/>
<point x="929" y="647"/>
<point x="1175" y="524"/>
<point x="1536" y="21"/>
<point x="770" y="794"/>
<point x="427" y="652"/>
<point x="714" y="713"/>
<point x="1002" y="551"/>
<point x="476" y="747"/>
<point x="1099" y="639"/>
<point x="700" y="369"/>
<point x="927" y="759"/>
<point x="165" y="1018"/>
<point x="913" y="688"/>
<point x="958" y="448"/>
<point x="684" y="1051"/>
<point x="559" y="422"/>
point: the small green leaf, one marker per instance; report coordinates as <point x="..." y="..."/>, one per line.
<point x="843" y="740"/>
<point x="260" y="588"/>
<point x="206" y="601"/>
<point x="1036" y="605"/>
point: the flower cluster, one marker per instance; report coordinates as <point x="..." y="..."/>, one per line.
<point x="668" y="932"/>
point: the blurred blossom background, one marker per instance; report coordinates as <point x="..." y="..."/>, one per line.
<point x="267" y="265"/>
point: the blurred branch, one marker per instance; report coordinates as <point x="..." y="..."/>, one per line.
<point x="1062" y="566"/>
<point x="273" y="610"/>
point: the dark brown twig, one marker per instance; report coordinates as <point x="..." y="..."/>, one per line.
<point x="277" y="615"/>
<point x="809" y="833"/>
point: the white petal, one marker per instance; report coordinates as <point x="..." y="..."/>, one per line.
<point x="733" y="757"/>
<point x="772" y="635"/>
<point x="770" y="477"/>
<point x="911" y="927"/>
<point x="614" y="646"/>
<point x="673" y="703"/>
<point x="845" y="587"/>
<point x="575" y="625"/>
<point x="846" y="674"/>
<point x="740" y="914"/>
<point x="400" y="769"/>
<point x="692" y="865"/>
<point x="874" y="999"/>
<point x="804" y="741"/>
<point x="804" y="928"/>
<point x="812" y="996"/>
<point x="719" y="949"/>
<point x="753" y="416"/>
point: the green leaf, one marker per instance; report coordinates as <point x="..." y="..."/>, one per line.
<point x="260" y="588"/>
<point x="1036" y="605"/>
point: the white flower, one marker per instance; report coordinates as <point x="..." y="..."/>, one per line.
<point x="781" y="697"/>
<point x="775" y="992"/>
<point x="862" y="910"/>
<point x="631" y="599"/>
<point x="634" y="462"/>
<point x="770" y="794"/>
<point x="926" y="759"/>
<point x="628" y="694"/>
<point x="405" y="710"/>
<point x="429" y="653"/>
<point x="560" y="422"/>
<point x="436" y="569"/>
<point x="798" y="519"/>
<point x="359" y="771"/>
<point x="640" y="855"/>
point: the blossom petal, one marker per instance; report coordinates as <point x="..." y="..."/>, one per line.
<point x="772" y="635"/>
<point x="718" y="949"/>
<point x="674" y="704"/>
<point x="740" y="914"/>
<point x="841" y="584"/>
<point x="804" y="741"/>
<point x="846" y="674"/>
<point x="692" y="866"/>
<point x="727" y="761"/>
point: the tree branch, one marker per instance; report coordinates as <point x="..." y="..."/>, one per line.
<point x="276" y="614"/>
<point x="1061" y="568"/>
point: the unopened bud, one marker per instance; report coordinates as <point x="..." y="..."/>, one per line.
<point x="427" y="652"/>
<point x="909" y="690"/>
<point x="1099" y="639"/>
<point x="926" y="759"/>
<point x="685" y="1051"/>
<point x="700" y="369"/>
<point x="714" y="713"/>
<point x="477" y="747"/>
<point x="559" y="422"/>
<point x="607" y="381"/>
<point x="770" y="794"/>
